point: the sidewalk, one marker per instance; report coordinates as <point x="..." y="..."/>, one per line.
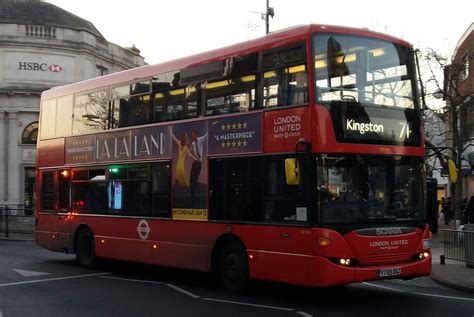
<point x="12" y="236"/>
<point x="453" y="274"/>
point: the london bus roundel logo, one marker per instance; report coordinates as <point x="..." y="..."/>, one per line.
<point x="143" y="229"/>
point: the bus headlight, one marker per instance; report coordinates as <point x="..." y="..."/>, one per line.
<point x="345" y="262"/>
<point x="424" y="255"/>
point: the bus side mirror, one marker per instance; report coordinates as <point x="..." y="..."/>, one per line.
<point x="292" y="172"/>
<point x="453" y="171"/>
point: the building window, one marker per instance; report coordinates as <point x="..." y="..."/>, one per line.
<point x="467" y="121"/>
<point x="29" y="183"/>
<point x="101" y="70"/>
<point x="30" y="134"/>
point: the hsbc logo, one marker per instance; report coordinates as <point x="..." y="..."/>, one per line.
<point x="55" y="68"/>
<point x="39" y="67"/>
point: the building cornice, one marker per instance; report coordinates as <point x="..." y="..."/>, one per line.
<point x="71" y="46"/>
<point x="463" y="38"/>
<point x="23" y="92"/>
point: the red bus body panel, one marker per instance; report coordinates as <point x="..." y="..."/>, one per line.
<point x="50" y="153"/>
<point x="276" y="253"/>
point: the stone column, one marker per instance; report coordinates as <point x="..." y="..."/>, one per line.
<point x="3" y="167"/>
<point x="13" y="181"/>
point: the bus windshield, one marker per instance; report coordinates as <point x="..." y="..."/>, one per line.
<point x="363" y="70"/>
<point x="358" y="190"/>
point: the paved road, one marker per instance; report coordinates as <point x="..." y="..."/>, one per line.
<point x="37" y="282"/>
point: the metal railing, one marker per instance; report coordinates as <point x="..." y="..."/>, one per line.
<point x="459" y="245"/>
<point x="8" y="211"/>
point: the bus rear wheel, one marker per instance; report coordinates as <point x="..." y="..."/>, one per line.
<point x="85" y="248"/>
<point x="233" y="267"/>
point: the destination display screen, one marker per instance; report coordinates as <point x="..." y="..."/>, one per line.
<point x="375" y="125"/>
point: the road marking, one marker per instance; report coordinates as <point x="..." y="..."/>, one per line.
<point x="185" y="292"/>
<point x="131" y="280"/>
<point x="248" y="304"/>
<point x="27" y="273"/>
<point x="444" y="296"/>
<point x="383" y="287"/>
<point x="52" y="279"/>
<point x="176" y="288"/>
<point x="419" y="294"/>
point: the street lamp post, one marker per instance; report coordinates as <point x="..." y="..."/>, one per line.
<point x="269" y="12"/>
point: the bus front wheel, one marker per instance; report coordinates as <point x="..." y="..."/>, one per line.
<point x="233" y="267"/>
<point x="85" y="249"/>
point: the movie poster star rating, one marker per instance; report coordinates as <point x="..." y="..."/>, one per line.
<point x="239" y="134"/>
<point x="233" y="127"/>
<point x="80" y="149"/>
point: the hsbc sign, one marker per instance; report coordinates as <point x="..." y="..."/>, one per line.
<point x="39" y="67"/>
<point x="42" y="68"/>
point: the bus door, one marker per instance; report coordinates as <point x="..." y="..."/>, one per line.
<point x="287" y="199"/>
<point x="286" y="237"/>
<point x="61" y="224"/>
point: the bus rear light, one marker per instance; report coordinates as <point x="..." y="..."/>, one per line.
<point x="65" y="173"/>
<point x="323" y="241"/>
<point x="155" y="246"/>
<point x="102" y="241"/>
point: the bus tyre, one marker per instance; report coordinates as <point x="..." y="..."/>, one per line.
<point x="233" y="267"/>
<point x="85" y="249"/>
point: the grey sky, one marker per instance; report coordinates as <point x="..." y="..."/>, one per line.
<point x="164" y="29"/>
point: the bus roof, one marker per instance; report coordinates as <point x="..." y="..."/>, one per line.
<point x="272" y="40"/>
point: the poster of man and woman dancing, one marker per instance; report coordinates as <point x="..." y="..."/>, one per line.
<point x="189" y="173"/>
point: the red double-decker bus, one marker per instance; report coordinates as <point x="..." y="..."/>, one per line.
<point x="296" y="158"/>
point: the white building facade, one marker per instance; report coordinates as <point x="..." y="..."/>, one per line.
<point x="42" y="46"/>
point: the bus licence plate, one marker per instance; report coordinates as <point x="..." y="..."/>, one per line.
<point x="393" y="271"/>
